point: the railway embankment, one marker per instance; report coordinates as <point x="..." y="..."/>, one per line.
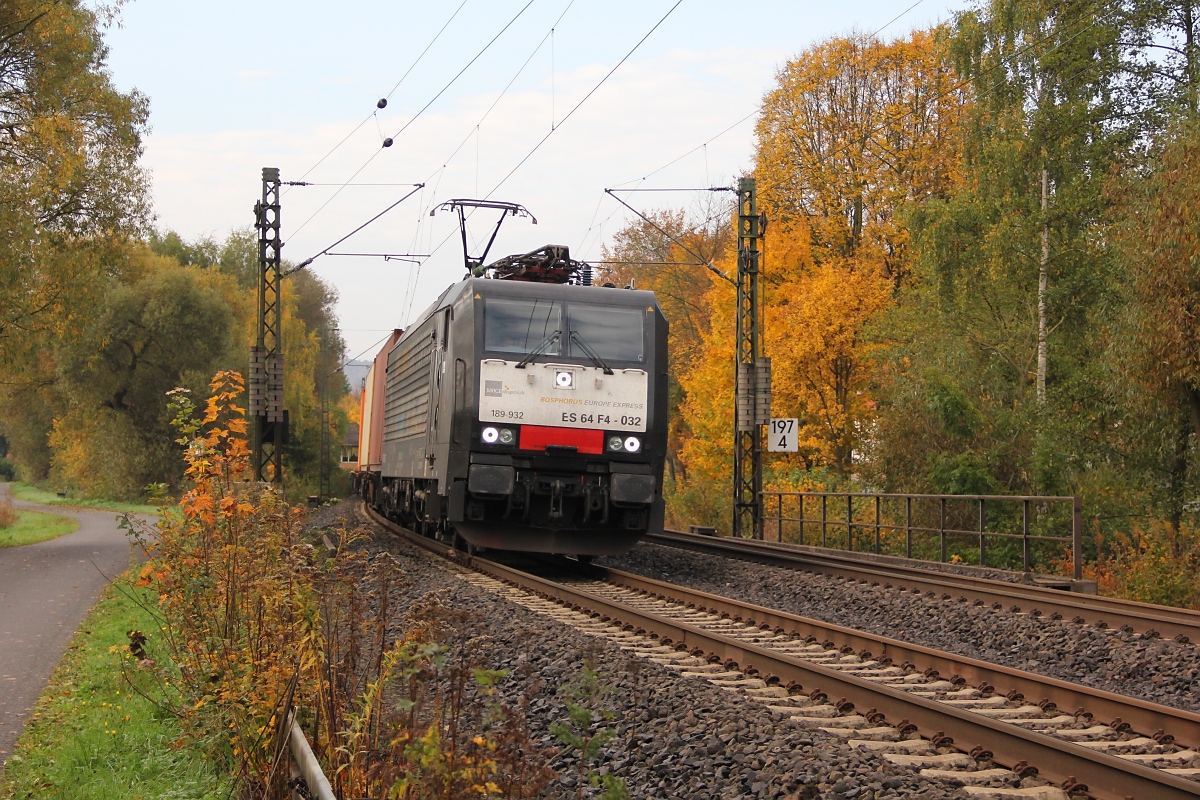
<point x="1124" y="662"/>
<point x="671" y="735"/>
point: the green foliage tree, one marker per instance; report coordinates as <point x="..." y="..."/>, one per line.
<point x="1156" y="342"/>
<point x="995" y="269"/>
<point x="156" y="326"/>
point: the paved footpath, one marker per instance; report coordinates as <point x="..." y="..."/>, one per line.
<point x="46" y="590"/>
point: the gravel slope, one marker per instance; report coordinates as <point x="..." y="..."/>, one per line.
<point x="1162" y="671"/>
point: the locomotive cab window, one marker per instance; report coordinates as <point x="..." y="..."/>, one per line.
<point x="520" y="326"/>
<point x="612" y="333"/>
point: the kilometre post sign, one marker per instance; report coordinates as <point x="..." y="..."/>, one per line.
<point x="784" y="436"/>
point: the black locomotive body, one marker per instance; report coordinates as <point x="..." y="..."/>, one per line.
<point x="523" y="416"/>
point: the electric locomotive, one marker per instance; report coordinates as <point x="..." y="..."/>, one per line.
<point x="525" y="409"/>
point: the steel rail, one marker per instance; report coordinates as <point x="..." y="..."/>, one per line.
<point x="1108" y="777"/>
<point x="1180" y="624"/>
<point x="1141" y="715"/>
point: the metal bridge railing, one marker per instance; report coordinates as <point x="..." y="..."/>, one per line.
<point x="990" y="530"/>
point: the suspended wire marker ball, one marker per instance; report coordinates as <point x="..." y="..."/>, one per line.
<point x="387" y="142"/>
<point x="382" y="103"/>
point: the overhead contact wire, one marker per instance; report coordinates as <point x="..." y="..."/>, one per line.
<point x="569" y="113"/>
<point x="495" y="102"/>
<point x="416" y="116"/>
<point x="418" y="187"/>
<point x="388" y="95"/>
<point x="594" y="89"/>
<point x="426" y="50"/>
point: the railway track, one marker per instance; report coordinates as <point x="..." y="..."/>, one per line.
<point x="1179" y="624"/>
<point x="946" y="715"/>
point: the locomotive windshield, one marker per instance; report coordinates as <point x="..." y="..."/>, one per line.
<point x="613" y="333"/>
<point x="520" y="326"/>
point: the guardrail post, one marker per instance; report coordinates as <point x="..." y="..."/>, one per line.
<point x="1077" y="535"/>
<point x="982" y="527"/>
<point x="1025" y="534"/>
<point x="942" y="527"/>
<point x="849" y="521"/>
<point x="824" y="517"/>
<point x="908" y="527"/>
<point x="877" y="525"/>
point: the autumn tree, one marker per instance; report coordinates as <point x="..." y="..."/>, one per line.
<point x="156" y="326"/>
<point x="853" y="131"/>
<point x="815" y="323"/>
<point x="856" y="132"/>
<point x="1160" y="42"/>
<point x="666" y="254"/>
<point x="70" y="183"/>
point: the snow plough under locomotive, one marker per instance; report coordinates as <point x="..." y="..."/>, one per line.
<point x="526" y="409"/>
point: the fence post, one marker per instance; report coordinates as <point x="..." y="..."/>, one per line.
<point x="779" y="519"/>
<point x="824" y="506"/>
<point x="942" y="527"/>
<point x="849" y="521"/>
<point x="1077" y="535"/>
<point x="982" y="527"/>
<point x="1025" y="533"/>
<point x="908" y="527"/>
<point x="801" y="523"/>
<point x="876" y="524"/>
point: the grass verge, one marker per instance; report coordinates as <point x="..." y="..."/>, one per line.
<point x="90" y="738"/>
<point x="34" y="494"/>
<point x="36" y="526"/>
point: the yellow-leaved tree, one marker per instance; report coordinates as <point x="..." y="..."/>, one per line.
<point x="854" y="131"/>
<point x="814" y="323"/>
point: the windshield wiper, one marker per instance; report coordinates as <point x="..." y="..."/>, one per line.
<point x="590" y="353"/>
<point x="541" y="348"/>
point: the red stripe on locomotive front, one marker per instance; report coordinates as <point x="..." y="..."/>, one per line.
<point x="536" y="437"/>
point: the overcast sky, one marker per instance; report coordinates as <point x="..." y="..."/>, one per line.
<point x="236" y="86"/>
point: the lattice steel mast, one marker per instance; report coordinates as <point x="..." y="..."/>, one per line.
<point x="267" y="418"/>
<point x="753" y="407"/>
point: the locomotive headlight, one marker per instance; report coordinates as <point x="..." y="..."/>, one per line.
<point x="564" y="379"/>
<point x="632" y="444"/>
<point x="616" y="444"/>
<point x="507" y="436"/>
<point x="490" y="435"/>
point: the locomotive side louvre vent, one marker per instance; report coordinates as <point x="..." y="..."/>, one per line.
<point x="408" y="387"/>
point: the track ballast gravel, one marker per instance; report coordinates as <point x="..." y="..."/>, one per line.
<point x="1158" y="670"/>
<point x="676" y="737"/>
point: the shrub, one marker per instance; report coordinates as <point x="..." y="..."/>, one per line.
<point x="1156" y="564"/>
<point x="257" y="623"/>
<point x="8" y="470"/>
<point x="8" y="514"/>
